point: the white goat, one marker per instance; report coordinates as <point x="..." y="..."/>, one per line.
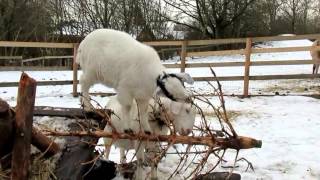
<point x="315" y="54"/>
<point x="182" y="115"/>
<point x="133" y="69"/>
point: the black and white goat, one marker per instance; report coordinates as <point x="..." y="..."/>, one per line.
<point x="182" y="115"/>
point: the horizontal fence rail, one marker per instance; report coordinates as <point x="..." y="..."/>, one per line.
<point x="36" y="44"/>
<point x="46" y="57"/>
<point x="184" y="47"/>
<point x="10" y="57"/>
<point x="220" y="78"/>
<point x="39" y="83"/>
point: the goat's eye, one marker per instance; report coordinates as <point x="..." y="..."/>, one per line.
<point x="188" y="111"/>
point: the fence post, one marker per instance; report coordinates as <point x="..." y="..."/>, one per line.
<point x="247" y="67"/>
<point x="183" y="55"/>
<point x="75" y="71"/>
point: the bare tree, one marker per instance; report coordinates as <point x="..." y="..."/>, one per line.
<point x="210" y="17"/>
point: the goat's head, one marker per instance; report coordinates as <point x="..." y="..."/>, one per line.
<point x="183" y="115"/>
<point x="172" y="86"/>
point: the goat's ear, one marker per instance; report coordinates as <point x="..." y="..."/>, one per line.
<point x="185" y="77"/>
<point x="175" y="107"/>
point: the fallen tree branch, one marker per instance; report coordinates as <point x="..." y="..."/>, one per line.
<point x="237" y="143"/>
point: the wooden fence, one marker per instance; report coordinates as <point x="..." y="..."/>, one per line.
<point x="184" y="44"/>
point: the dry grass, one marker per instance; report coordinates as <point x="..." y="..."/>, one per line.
<point x="293" y="86"/>
<point x="40" y="169"/>
<point x="232" y="114"/>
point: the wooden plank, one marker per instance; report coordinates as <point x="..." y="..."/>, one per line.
<point x="33" y="68"/>
<point x="254" y="39"/>
<point x="254" y="50"/>
<point x="164" y="43"/>
<point x="262" y="77"/>
<point x="285" y="49"/>
<point x="167" y="65"/>
<point x="58" y="57"/>
<point x="10" y="57"/>
<point x="217" y="64"/>
<point x="32" y="59"/>
<point x="215" y="53"/>
<point x="247" y="68"/>
<point x="35" y="44"/>
<point x="74" y="113"/>
<point x="291" y="76"/>
<point x="75" y="72"/>
<point x="221" y="78"/>
<point x="183" y="55"/>
<point x="46" y="57"/>
<point x="39" y="83"/>
<point x="216" y="41"/>
<point x="23" y="128"/>
<point x="178" y="65"/>
<point x="234" y="64"/>
<point x="281" y="62"/>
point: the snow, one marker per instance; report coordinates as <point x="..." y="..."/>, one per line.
<point x="288" y="125"/>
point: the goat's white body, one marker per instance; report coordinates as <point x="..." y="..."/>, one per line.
<point x="315" y="54"/>
<point x="115" y="59"/>
<point x="114" y="105"/>
<point x="107" y="53"/>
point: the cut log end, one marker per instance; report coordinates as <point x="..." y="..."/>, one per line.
<point x="248" y="143"/>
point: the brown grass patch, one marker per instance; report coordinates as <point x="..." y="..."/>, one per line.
<point x="232" y="114"/>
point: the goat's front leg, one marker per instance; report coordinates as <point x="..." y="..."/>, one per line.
<point x="152" y="149"/>
<point x="123" y="158"/>
<point x="107" y="142"/>
<point x="126" y="102"/>
<point x="143" y="115"/>
<point x="140" y="146"/>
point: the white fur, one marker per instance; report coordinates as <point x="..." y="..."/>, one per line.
<point x="115" y="59"/>
<point x="315" y="54"/>
<point x="182" y="114"/>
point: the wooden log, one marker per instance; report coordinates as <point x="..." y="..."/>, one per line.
<point x="67" y="112"/>
<point x="44" y="144"/>
<point x="6" y="134"/>
<point x="23" y="128"/>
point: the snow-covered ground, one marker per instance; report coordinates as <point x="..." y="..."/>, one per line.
<point x="287" y="125"/>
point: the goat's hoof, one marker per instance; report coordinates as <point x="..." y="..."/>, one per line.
<point x="147" y="132"/>
<point x="128" y="131"/>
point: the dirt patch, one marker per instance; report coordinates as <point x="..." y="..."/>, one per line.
<point x="293" y="86"/>
<point x="232" y="114"/>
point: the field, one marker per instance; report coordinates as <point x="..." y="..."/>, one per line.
<point x="287" y="124"/>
